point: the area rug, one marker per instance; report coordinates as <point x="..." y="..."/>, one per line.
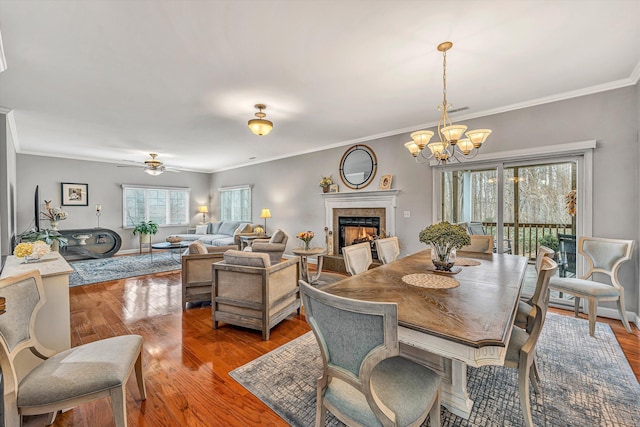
<point x="586" y="382"/>
<point x="100" y="270"/>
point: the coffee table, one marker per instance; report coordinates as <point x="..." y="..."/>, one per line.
<point x="175" y="248"/>
<point x="304" y="254"/>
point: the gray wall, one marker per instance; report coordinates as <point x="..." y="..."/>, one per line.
<point x="104" y="180"/>
<point x="289" y="187"/>
<point x="7" y="188"/>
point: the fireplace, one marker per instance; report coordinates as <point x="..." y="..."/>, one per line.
<point x="358" y="229"/>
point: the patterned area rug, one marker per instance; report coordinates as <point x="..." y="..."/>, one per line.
<point x="586" y="382"/>
<point x="101" y="270"/>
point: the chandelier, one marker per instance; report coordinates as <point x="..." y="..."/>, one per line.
<point x="260" y="126"/>
<point x="452" y="146"/>
<point x="153" y="166"/>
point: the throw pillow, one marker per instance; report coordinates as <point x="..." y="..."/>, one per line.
<point x="202" y="229"/>
<point x="214" y="227"/>
<point x="228" y="227"/>
<point x="277" y="237"/>
<point x="249" y="259"/>
<point x="245" y="227"/>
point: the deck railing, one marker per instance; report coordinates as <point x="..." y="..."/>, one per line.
<point x="524" y="238"/>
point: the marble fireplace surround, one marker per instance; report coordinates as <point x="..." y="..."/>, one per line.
<point x="381" y="204"/>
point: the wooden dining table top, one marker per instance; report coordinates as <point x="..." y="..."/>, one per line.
<point x="477" y="313"/>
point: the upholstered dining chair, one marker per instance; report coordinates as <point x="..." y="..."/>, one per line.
<point x="525" y="308"/>
<point x="388" y="249"/>
<point x="64" y="380"/>
<point x="365" y="382"/>
<point x="521" y="350"/>
<point x="479" y="243"/>
<point x="357" y="258"/>
<point x="604" y="256"/>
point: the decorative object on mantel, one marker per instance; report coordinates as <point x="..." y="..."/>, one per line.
<point x="444" y="239"/>
<point x="98" y="213"/>
<point x="449" y="134"/>
<point x="325" y="183"/>
<point x="31" y="251"/>
<point x="385" y="182"/>
<point x="266" y="213"/>
<point x="333" y="188"/>
<point x="53" y="214"/>
<point x="260" y="126"/>
<point x="358" y="166"/>
<point x="306" y="237"/>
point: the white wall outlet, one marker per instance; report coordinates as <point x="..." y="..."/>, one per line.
<point x="407" y="214"/>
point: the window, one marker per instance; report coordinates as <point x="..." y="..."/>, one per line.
<point x="164" y="205"/>
<point x="235" y="203"/>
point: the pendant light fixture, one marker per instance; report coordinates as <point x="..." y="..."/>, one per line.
<point x="260" y="126"/>
<point x="451" y="147"/>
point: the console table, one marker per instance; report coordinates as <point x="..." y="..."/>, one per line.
<point x="85" y="243"/>
<point x="53" y="322"/>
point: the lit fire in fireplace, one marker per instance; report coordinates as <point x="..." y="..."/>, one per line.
<point x="356" y="235"/>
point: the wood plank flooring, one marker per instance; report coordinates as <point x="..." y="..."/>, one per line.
<point x="186" y="363"/>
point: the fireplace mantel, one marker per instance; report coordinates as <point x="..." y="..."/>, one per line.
<point x="387" y="199"/>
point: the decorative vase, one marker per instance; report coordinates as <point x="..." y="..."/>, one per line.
<point x="325" y="189"/>
<point x="30" y="258"/>
<point x="443" y="257"/>
<point x="54" y="225"/>
<point x="307" y="245"/>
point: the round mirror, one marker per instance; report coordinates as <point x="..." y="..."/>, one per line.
<point x="358" y="166"/>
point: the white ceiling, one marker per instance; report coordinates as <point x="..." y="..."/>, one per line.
<point x="116" y="80"/>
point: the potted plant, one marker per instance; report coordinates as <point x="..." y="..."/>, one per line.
<point x="51" y="237"/>
<point x="444" y="238"/>
<point x="145" y="229"/>
<point x="325" y="183"/>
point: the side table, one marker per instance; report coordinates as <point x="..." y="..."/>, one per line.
<point x="304" y="254"/>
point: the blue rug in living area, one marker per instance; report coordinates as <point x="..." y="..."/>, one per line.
<point x="120" y="267"/>
<point x="585" y="382"/>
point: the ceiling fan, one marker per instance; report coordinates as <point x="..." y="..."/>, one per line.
<point x="152" y="166"/>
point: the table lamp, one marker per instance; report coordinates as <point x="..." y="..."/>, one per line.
<point x="203" y="210"/>
<point x="265" y="214"/>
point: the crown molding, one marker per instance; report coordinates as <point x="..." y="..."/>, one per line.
<point x="11" y="126"/>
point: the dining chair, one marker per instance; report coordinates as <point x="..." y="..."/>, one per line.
<point x="479" y="243"/>
<point x="521" y="350"/>
<point x="604" y="256"/>
<point x="478" y="229"/>
<point x="365" y="381"/>
<point x="357" y="258"/>
<point x="66" y="379"/>
<point x="525" y="308"/>
<point x="388" y="249"/>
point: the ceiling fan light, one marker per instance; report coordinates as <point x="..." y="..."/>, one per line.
<point x="413" y="148"/>
<point x="260" y="127"/>
<point x="478" y="136"/>
<point x="421" y="138"/>
<point x="154" y="171"/>
<point x="453" y="133"/>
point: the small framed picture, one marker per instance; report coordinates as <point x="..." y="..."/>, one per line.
<point x="333" y="188"/>
<point x="385" y="182"/>
<point x="73" y="194"/>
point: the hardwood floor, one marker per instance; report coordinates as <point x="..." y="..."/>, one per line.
<point x="186" y="363"/>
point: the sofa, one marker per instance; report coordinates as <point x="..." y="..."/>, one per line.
<point x="197" y="280"/>
<point x="220" y="233"/>
<point x="250" y="292"/>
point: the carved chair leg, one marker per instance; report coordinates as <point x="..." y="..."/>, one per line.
<point x="593" y="314"/>
<point x="140" y="377"/>
<point x="52" y="418"/>
<point x="119" y="405"/>
<point x="523" y="386"/>
<point x="623" y="314"/>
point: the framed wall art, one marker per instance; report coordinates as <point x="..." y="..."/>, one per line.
<point x="73" y="194"/>
<point x="385" y="182"/>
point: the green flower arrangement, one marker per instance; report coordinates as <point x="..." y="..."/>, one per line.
<point x="326" y="181"/>
<point x="443" y="238"/>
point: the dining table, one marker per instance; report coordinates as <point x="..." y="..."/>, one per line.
<point x="447" y="321"/>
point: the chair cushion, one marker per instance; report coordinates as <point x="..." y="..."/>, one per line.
<point x="197" y="247"/>
<point x="89" y="368"/>
<point x="249" y="259"/>
<point x="407" y="388"/>
<point x="277" y="237"/>
<point x="576" y="286"/>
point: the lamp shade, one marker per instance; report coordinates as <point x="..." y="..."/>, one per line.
<point x="203" y="209"/>
<point x="265" y="213"/>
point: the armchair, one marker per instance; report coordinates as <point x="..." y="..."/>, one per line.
<point x="274" y="247"/>
<point x="250" y="292"/>
<point x="196" y="271"/>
